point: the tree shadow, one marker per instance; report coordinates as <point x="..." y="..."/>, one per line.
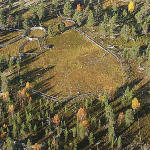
<point x="120" y="91"/>
<point x="8" y="39"/>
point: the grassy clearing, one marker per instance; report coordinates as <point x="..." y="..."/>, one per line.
<point x="73" y="65"/>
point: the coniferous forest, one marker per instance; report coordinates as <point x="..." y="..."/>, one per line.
<point x="75" y="75"/>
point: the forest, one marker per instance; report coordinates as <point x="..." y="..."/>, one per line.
<point x="74" y="75"/>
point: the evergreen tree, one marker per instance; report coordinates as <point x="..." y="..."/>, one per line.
<point x="119" y="143"/>
<point x="9" y="144"/>
<point x="124" y="13"/>
<point x="22" y="4"/>
<point x="29" y="144"/>
<point x="55" y="3"/>
<point x="128" y="94"/>
<point x="26" y="23"/>
<point x="103" y="29"/>
<point x="2" y="17"/>
<point x="91" y="138"/>
<point x="129" y="117"/>
<point x="4" y="84"/>
<point x="87" y="9"/>
<point x="14" y="129"/>
<point x="51" y="32"/>
<point x="11" y="63"/>
<point x="134" y="52"/>
<point x="111" y="133"/>
<point x="91" y="20"/>
<point x="106" y="18"/>
<point x="112" y="23"/>
<point x="78" y="17"/>
<point x="133" y="32"/>
<point x="41" y="12"/>
<point x="148" y="52"/>
<point x="68" y="10"/>
<point x="145" y="27"/>
<point x="61" y="26"/>
<point x="125" y="32"/>
<point x="18" y="20"/>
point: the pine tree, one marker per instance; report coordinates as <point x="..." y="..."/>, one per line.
<point x="51" y="32"/>
<point x="68" y="10"/>
<point x="128" y="94"/>
<point x="26" y="23"/>
<point x="78" y="17"/>
<point x="91" y="138"/>
<point x="91" y="20"/>
<point x="103" y="29"/>
<point x="112" y="23"/>
<point x="125" y="32"/>
<point x="11" y="63"/>
<point x="2" y="17"/>
<point x="41" y="12"/>
<point x="74" y="131"/>
<point x="61" y="26"/>
<point x="22" y="3"/>
<point x="145" y="27"/>
<point x="124" y="13"/>
<point x="148" y="52"/>
<point x="119" y="143"/>
<point x="29" y="144"/>
<point x="111" y="133"/>
<point x="133" y="32"/>
<point x="4" y="84"/>
<point x="129" y="117"/>
<point x="55" y="3"/>
<point x="9" y="144"/>
<point x="87" y="9"/>
<point x="14" y="129"/>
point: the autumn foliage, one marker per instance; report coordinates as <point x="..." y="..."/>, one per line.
<point x="85" y="124"/>
<point x="135" y="104"/>
<point x="36" y="146"/>
<point x="81" y="114"/>
<point x="79" y="7"/>
<point x="131" y="6"/>
<point x="5" y="96"/>
<point x="11" y="109"/>
<point x="120" y="118"/>
<point x="3" y="135"/>
<point x="56" y="120"/>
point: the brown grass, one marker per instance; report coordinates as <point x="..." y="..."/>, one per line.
<point x="79" y="66"/>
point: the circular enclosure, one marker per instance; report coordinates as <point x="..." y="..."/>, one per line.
<point x="35" y="33"/>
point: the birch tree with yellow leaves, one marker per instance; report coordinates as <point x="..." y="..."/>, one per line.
<point x="135" y="104"/>
<point x="131" y="6"/>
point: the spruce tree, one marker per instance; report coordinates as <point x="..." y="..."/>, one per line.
<point x="2" y="17"/>
<point x="91" y="138"/>
<point x="4" y="84"/>
<point x="55" y="3"/>
<point x="51" y="32"/>
<point x="22" y="4"/>
<point x="145" y="27"/>
<point x="129" y="117"/>
<point x="68" y="10"/>
<point x="91" y="20"/>
<point x="119" y="143"/>
<point x="41" y="11"/>
<point x="26" y="23"/>
<point x="78" y="17"/>
<point x="61" y="26"/>
<point x="111" y="133"/>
